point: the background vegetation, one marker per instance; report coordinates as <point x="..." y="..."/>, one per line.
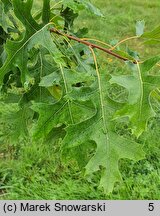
<point x="28" y="171"/>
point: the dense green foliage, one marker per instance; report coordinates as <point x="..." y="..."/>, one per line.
<point x="54" y="93"/>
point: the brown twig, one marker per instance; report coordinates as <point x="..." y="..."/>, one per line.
<point x="91" y="45"/>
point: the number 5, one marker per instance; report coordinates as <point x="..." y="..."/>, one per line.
<point x="151" y="206"/>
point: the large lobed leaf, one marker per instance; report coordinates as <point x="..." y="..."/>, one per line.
<point x="139" y="85"/>
<point x="110" y="147"/>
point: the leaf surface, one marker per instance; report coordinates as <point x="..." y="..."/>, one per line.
<point x="80" y="5"/>
<point x="36" y="34"/>
<point x="139" y="85"/>
<point x="110" y="147"/>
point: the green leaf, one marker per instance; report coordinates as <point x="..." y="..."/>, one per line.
<point x="46" y="11"/>
<point x="91" y="8"/>
<point x="7" y="5"/>
<point x="4" y="19"/>
<point x="110" y="147"/>
<point x="74" y="78"/>
<point x="17" y="51"/>
<point x="139" y="85"/>
<point x="140" y="27"/>
<point x="154" y="34"/>
<point x="153" y="37"/>
<point x="16" y="118"/>
<point x="77" y="6"/>
<point x="50" y="80"/>
<point x="81" y="93"/>
<point x="70" y="78"/>
<point x="53" y="115"/>
<point x="65" y="111"/>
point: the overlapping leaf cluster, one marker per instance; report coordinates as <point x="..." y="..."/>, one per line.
<point x="50" y="84"/>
